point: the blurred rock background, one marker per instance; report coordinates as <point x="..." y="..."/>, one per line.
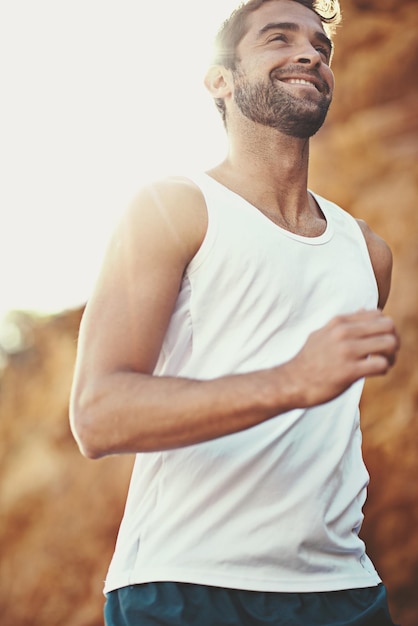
<point x="60" y="512"/>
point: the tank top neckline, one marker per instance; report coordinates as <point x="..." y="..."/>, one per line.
<point x="318" y="240"/>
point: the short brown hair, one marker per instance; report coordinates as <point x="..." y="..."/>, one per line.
<point x="234" y="27"/>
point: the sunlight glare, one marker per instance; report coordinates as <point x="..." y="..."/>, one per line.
<point x="99" y="98"/>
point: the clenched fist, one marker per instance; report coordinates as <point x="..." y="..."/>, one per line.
<point x="348" y="348"/>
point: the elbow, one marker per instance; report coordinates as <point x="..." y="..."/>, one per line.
<point x="83" y="423"/>
<point x="88" y="449"/>
<point x="83" y="434"/>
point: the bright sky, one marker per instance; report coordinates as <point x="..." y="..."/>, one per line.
<point x="98" y="96"/>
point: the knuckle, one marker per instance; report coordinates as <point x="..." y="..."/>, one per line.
<point x="341" y="332"/>
<point x="380" y="363"/>
<point x="392" y="342"/>
<point x="338" y="320"/>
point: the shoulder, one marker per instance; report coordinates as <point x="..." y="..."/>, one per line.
<point x="171" y="191"/>
<point x="137" y="287"/>
<point x="175" y="198"/>
<point x="171" y="210"/>
<point x="381" y="258"/>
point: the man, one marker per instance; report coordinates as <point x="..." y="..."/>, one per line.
<point x="226" y="343"/>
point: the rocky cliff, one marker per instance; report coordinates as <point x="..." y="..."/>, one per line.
<point x="60" y="512"/>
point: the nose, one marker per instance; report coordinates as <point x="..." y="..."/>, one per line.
<point x="308" y="56"/>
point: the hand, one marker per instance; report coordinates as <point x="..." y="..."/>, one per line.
<point x="348" y="348"/>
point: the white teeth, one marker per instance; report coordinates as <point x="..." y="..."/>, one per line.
<point x="300" y="81"/>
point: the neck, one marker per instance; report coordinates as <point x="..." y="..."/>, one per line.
<point x="269" y="169"/>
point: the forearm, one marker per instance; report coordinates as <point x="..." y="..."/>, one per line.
<point x="127" y="411"/>
<point x="130" y="412"/>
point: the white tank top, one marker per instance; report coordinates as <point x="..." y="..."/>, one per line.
<point x="277" y="507"/>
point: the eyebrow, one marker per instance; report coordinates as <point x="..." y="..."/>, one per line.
<point x="293" y="27"/>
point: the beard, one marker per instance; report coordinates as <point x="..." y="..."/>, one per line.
<point x="272" y="105"/>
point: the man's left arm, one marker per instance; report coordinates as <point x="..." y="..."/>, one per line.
<point x="381" y="258"/>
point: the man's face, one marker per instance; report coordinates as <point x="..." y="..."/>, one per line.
<point x="282" y="78"/>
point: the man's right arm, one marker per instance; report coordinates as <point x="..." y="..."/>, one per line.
<point x="118" y="406"/>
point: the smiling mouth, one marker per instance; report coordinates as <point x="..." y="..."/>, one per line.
<point x="300" y="81"/>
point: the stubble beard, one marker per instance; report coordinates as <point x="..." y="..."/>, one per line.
<point x="271" y="105"/>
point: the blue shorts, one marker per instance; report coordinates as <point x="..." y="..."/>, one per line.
<point x="182" y="604"/>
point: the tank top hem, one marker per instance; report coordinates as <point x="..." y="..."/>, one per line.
<point x="308" y="584"/>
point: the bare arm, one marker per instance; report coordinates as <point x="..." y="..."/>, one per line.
<point x="118" y="406"/>
<point x="381" y="258"/>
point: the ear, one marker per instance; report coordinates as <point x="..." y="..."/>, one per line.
<point x="218" y="81"/>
